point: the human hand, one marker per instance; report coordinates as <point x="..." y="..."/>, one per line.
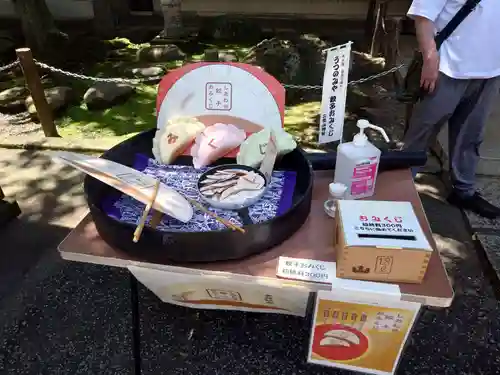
<point x="430" y="71"/>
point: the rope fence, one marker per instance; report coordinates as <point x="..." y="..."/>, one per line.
<point x="10" y="66"/>
<point x="29" y="67"/>
<point x="138" y="81"/>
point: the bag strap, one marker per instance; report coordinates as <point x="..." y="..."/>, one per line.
<point x="457" y="19"/>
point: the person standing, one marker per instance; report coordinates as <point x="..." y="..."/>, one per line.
<point x="461" y="81"/>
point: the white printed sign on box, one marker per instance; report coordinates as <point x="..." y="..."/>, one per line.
<point x="384" y="224"/>
<point x="222" y="292"/>
<point x="333" y="100"/>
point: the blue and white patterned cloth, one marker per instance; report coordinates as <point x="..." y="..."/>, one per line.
<point x="276" y="201"/>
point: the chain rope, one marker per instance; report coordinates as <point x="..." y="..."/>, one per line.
<point x="133" y="81"/>
<point x="9" y="66"/>
<point x="136" y="81"/>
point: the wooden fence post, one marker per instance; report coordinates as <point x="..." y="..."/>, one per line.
<point x="36" y="89"/>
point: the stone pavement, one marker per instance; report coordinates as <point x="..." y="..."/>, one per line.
<point x="59" y="317"/>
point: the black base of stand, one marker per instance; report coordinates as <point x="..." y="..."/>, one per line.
<point x="8" y="211"/>
<point x="136" y="325"/>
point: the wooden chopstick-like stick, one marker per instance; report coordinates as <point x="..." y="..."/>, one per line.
<point x="155" y="219"/>
<point x="215" y="216"/>
<point x="145" y="213"/>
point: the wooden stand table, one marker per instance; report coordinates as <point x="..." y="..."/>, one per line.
<point x="251" y="284"/>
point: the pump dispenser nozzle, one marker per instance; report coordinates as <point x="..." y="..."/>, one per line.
<point x="360" y="139"/>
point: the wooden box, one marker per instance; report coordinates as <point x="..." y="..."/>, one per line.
<point x="380" y="241"/>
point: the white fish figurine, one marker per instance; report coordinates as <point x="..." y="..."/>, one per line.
<point x="253" y="149"/>
<point x="131" y="182"/>
<point x="174" y="137"/>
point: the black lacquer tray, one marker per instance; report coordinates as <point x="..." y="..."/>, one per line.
<point x="164" y="247"/>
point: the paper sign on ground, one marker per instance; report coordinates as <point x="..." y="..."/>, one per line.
<point x="355" y="334"/>
<point x="222" y="293"/>
<point x="333" y="100"/>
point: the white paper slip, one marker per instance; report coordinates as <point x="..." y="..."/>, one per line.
<point x="306" y="270"/>
<point x="271" y="152"/>
<point x="367" y="289"/>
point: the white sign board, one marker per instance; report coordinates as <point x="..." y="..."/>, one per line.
<point x="306" y="270"/>
<point x="223" y="292"/>
<point x="333" y="100"/>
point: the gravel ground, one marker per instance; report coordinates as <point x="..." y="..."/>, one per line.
<point x="19" y="124"/>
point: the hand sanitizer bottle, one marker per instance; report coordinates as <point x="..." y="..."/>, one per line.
<point x="357" y="163"/>
<point x="337" y="192"/>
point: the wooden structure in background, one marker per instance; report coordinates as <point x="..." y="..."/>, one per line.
<point x="382" y="32"/>
<point x="298" y="9"/>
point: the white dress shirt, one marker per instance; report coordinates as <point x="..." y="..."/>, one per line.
<point x="473" y="50"/>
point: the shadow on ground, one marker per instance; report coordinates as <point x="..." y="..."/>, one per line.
<point x="51" y="200"/>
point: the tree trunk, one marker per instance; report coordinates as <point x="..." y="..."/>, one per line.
<point x="172" y="18"/>
<point x="39" y="29"/>
<point x="109" y="16"/>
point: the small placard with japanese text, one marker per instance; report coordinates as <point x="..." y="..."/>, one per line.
<point x="306" y="270"/>
<point x="218" y="96"/>
<point x="333" y="100"/>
